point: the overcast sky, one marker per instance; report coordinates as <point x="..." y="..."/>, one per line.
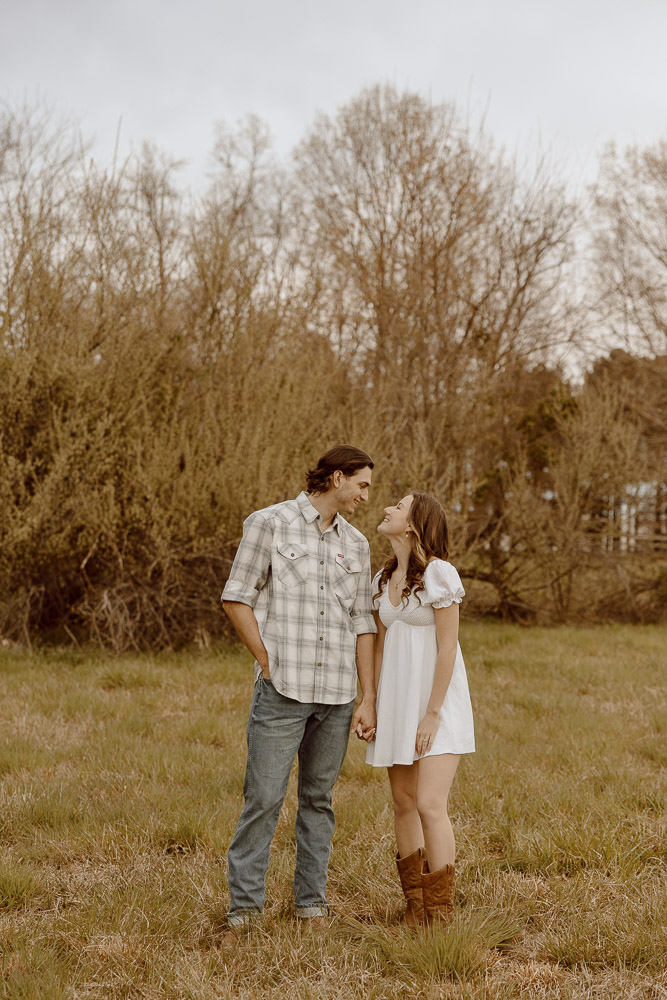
<point x="569" y="74"/>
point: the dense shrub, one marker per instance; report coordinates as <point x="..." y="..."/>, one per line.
<point x="167" y="367"/>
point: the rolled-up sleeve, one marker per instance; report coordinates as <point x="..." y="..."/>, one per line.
<point x="252" y="562"/>
<point x="362" y="613"/>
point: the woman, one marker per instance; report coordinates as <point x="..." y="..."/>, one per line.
<point x="424" y="716"/>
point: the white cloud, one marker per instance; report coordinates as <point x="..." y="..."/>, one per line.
<point x="577" y="73"/>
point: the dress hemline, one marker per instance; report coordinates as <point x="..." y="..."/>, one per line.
<point x="415" y="760"/>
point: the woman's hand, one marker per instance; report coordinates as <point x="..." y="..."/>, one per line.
<point x="364" y="720"/>
<point x="426" y="731"/>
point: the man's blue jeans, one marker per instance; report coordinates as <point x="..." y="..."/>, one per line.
<point x="279" y="728"/>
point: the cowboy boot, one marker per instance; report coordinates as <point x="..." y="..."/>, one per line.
<point x="410" y="874"/>
<point x="438" y="894"/>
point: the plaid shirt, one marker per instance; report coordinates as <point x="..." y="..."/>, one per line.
<point x="311" y="594"/>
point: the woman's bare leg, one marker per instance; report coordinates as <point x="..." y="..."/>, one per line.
<point x="434" y="779"/>
<point x="403" y="782"/>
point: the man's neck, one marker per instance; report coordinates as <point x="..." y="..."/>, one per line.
<point x="325" y="507"/>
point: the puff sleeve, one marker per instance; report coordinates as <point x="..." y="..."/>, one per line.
<point x="442" y="584"/>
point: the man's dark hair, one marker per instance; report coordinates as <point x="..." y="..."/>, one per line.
<point x="344" y="457"/>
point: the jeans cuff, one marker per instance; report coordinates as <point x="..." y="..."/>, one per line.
<point x="305" y="912"/>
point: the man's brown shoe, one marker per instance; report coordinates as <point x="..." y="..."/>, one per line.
<point x="231" y="936"/>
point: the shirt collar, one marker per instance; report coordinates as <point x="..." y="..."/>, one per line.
<point x="310" y="514"/>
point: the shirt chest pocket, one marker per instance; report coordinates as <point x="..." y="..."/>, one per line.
<point x="290" y="563"/>
<point x="347" y="576"/>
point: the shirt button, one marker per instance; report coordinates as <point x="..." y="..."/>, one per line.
<point x="321" y="562"/>
<point x="321" y="638"/>
<point x="319" y="664"/>
<point x="321" y="612"/>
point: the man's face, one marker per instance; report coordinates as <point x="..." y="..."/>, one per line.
<point x="351" y="490"/>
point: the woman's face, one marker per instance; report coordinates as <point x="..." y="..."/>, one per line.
<point x="395" y="522"/>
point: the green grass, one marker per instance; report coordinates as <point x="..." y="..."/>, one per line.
<point x="120" y="786"/>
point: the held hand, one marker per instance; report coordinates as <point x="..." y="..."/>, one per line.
<point x="426" y="731"/>
<point x="364" y="721"/>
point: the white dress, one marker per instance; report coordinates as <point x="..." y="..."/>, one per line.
<point x="408" y="666"/>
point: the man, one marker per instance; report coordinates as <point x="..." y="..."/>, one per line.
<point x="299" y="597"/>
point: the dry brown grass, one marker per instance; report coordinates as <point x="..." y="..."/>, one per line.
<point x="121" y="785"/>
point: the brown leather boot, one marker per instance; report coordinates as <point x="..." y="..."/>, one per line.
<point x="438" y="894"/>
<point x="410" y="874"/>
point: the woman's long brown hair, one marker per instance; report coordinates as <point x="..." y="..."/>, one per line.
<point x="428" y="521"/>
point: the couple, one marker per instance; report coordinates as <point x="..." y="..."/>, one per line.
<point x="300" y="597"/>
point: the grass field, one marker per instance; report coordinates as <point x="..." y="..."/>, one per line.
<point x="121" y="785"/>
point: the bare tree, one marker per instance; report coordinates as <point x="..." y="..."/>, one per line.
<point x="631" y="245"/>
<point x="439" y="272"/>
<point x="641" y="383"/>
<point x="167" y="365"/>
